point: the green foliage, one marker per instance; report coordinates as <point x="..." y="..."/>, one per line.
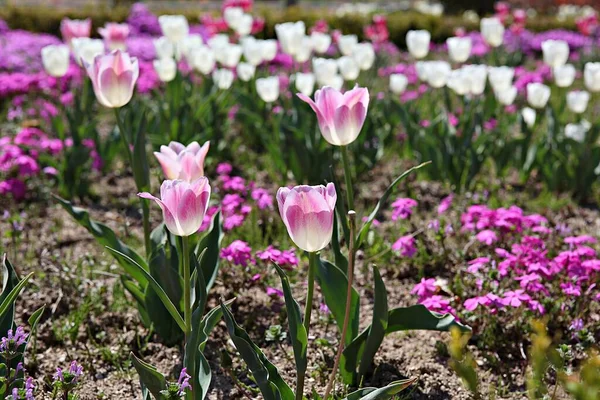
<point x="462" y="361"/>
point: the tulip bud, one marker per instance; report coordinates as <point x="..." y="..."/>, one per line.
<point x="304" y="51"/>
<point x="305" y="83"/>
<point x="577" y="101"/>
<point x="459" y="48"/>
<point x="398" y="83"/>
<point x="346" y="44"/>
<point x="269" y="49"/>
<point x="556" y="52"/>
<point x="252" y="50"/>
<point x="320" y="42"/>
<point x="564" y="75"/>
<point x="85" y="49"/>
<point x="232" y="16"/>
<point x="268" y="88"/>
<point x="244" y="27"/>
<point x="181" y="162"/>
<point x="340" y="116"/>
<point x="501" y="77"/>
<point x="229" y="56"/>
<point x="290" y="35"/>
<point x="325" y="70"/>
<point x="75" y="28"/>
<point x="115" y="34"/>
<point x="437" y="73"/>
<point x="202" y="59"/>
<point x="163" y="47"/>
<point x="174" y="27"/>
<point x="245" y="71"/>
<point x="308" y="212"/>
<point x="223" y="78"/>
<point x="506" y="96"/>
<point x="418" y="43"/>
<point x="492" y="31"/>
<point x="166" y="69"/>
<point x="113" y="78"/>
<point x="364" y="55"/>
<point x="348" y="68"/>
<point x="56" y="60"/>
<point x="529" y="116"/>
<point x="591" y="76"/>
<point x="538" y="95"/>
<point x="183" y="204"/>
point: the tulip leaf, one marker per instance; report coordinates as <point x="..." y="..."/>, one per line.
<point x="367" y="225"/>
<point x="150" y="379"/>
<point x="141" y="170"/>
<point x="9" y="281"/>
<point x="383" y="393"/>
<point x="125" y="256"/>
<point x="298" y="333"/>
<point x="211" y="242"/>
<point x="271" y="384"/>
<point x="159" y="290"/>
<point x="340" y="259"/>
<point x="8" y="301"/>
<point x="139" y="297"/>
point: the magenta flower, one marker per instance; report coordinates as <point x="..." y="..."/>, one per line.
<point x="340" y="116"/>
<point x="115" y="34"/>
<point x="238" y="253"/>
<point x="487" y="236"/>
<point x="445" y="204"/>
<point x="308" y="212"/>
<point x="403" y="208"/>
<point x="182" y="162"/>
<point x="405" y="245"/>
<point x="113" y="78"/>
<point x="515" y="298"/>
<point x="75" y="28"/>
<point x="271" y="291"/>
<point x="425" y="288"/>
<point x="183" y="204"/>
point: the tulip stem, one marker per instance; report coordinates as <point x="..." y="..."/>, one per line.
<point x="313" y="258"/>
<point x="348" y="178"/>
<point x="352" y="223"/>
<point x="187" y="307"/>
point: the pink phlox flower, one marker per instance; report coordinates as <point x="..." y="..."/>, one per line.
<point x="425" y="288"/>
<point x="262" y="197"/>
<point x="445" y="204"/>
<point x="476" y="264"/>
<point x="238" y="253"/>
<point x="579" y="240"/>
<point x="487" y="236"/>
<point x="271" y="291"/>
<point x="403" y="208"/>
<point x="438" y="303"/>
<point x="514" y="298"/>
<point x="405" y="245"/>
<point x="570" y="289"/>
<point x="472" y="303"/>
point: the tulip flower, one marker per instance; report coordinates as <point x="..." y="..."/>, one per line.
<point x="181" y="162"/>
<point x="304" y="51"/>
<point x="56" y="60"/>
<point x="223" y="78"/>
<point x="75" y="28"/>
<point x="418" y="43"/>
<point x="577" y="132"/>
<point x="538" y="95"/>
<point x="346" y="44"/>
<point x="364" y="55"/>
<point x="252" y="50"/>
<point x="556" y="52"/>
<point x="268" y="49"/>
<point x="398" y="83"/>
<point x="245" y="71"/>
<point x="577" y="101"/>
<point x="308" y="212"/>
<point x="163" y="47"/>
<point x="85" y="49"/>
<point x="113" y="78"/>
<point x="268" y="88"/>
<point x="115" y="34"/>
<point x="492" y="31"/>
<point x="218" y="41"/>
<point x="340" y="116"/>
<point x="305" y="83"/>
<point x="437" y="73"/>
<point x="166" y="69"/>
<point x="290" y="35"/>
<point x="174" y="27"/>
<point x="501" y="77"/>
<point x="348" y="68"/>
<point x="422" y="69"/>
<point x="186" y="45"/>
<point x="529" y="116"/>
<point x="183" y="204"/>
<point x="459" y="48"/>
<point x="506" y="96"/>
<point x="229" y="55"/>
<point x="232" y="16"/>
<point x="325" y="70"/>
<point x="591" y="76"/>
<point x="202" y="59"/>
<point x="564" y="75"/>
<point x="244" y="27"/>
<point x="320" y="42"/>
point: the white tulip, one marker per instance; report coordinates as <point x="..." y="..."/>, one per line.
<point x="421" y="67"/>
<point x="166" y="69"/>
<point x="348" y="68"/>
<point x="305" y="83"/>
<point x="233" y="16"/>
<point x="398" y="83"/>
<point x="506" y="96"/>
<point x="325" y="70"/>
<point x="245" y="71"/>
<point x="229" y="56"/>
<point x="556" y="52"/>
<point x="304" y="51"/>
<point x="346" y="44"/>
<point x="163" y="47"/>
<point x="86" y="49"/>
<point x="320" y="42"/>
<point x="564" y="75"/>
<point x="591" y="76"/>
<point x="459" y="82"/>
<point x="290" y="35"/>
<point x="336" y="82"/>
<point x="244" y="27"/>
<point x="459" y="48"/>
<point x="174" y="27"/>
<point x="252" y="50"/>
<point x="418" y="43"/>
<point x="538" y="95"/>
<point x="183" y="47"/>
<point x="576" y="131"/>
<point x="364" y="55"/>
<point x="529" y="116"/>
<point x="438" y="73"/>
<point x="202" y="59"/>
<point x="223" y="78"/>
<point x="218" y="41"/>
<point x="501" y="77"/>
<point x="269" y="49"/>
<point x="56" y="59"/>
<point x="477" y="75"/>
<point x="492" y="31"/>
<point x="268" y="88"/>
<point x="577" y="101"/>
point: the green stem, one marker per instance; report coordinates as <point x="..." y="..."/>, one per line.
<point x="187" y="307"/>
<point x="348" y="178"/>
<point x="122" y="134"/>
<point x="312" y="266"/>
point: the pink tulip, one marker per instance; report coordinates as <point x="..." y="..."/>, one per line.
<point x="183" y="204"/>
<point x="181" y="162"/>
<point x="340" y="116"/>
<point x="115" y="34"/>
<point x="75" y="28"/>
<point x="308" y="212"/>
<point x="113" y="78"/>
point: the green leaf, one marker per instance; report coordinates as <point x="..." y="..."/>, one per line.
<point x="159" y="290"/>
<point x="150" y="378"/>
<point x="418" y="317"/>
<point x="367" y="225"/>
<point x="382" y="393"/>
<point x="139" y="297"/>
<point x="297" y="331"/>
<point x="8" y="301"/>
<point x="378" y="325"/>
<point x="271" y="384"/>
<point x="35" y="317"/>
<point x="212" y="243"/>
<point x="9" y="281"/>
<point x="125" y="256"/>
<point x="141" y="171"/>
<point x="340" y="259"/>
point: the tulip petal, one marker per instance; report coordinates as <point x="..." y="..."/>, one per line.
<point x="169" y="166"/>
<point x="328" y="100"/>
<point x="190" y="170"/>
<point x="174" y="146"/>
<point x="190" y="213"/>
<point x="348" y="122"/>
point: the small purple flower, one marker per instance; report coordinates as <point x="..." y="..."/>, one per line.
<point x="237" y="253"/>
<point x="403" y="208"/>
<point x="445" y="204"/>
<point x="184" y="382"/>
<point x="487" y="236"/>
<point x="406" y="246"/>
<point x="425" y="288"/>
<point x="576" y="325"/>
<point x="271" y="291"/>
<point x="13" y="341"/>
<point x="224" y="169"/>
